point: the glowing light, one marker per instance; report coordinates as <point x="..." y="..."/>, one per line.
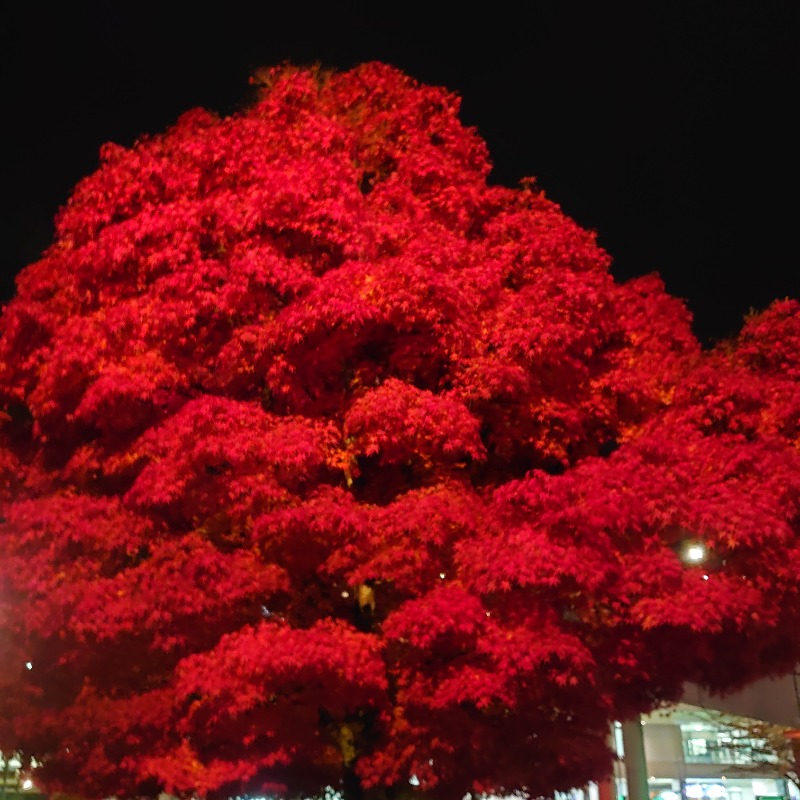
<point x="27" y="784"/>
<point x="715" y="790"/>
<point x="441" y="575"/>
<point x="694" y="790"/>
<point x="705" y="577"/>
<point x="695" y="553"/>
<point x="28" y="665"/>
<point x="414" y="780"/>
<point x="345" y="594"/>
<point x="668" y="795"/>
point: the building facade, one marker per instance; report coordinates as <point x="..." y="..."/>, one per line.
<point x="697" y="755"/>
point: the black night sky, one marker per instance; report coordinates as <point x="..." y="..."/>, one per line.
<point x="669" y="128"/>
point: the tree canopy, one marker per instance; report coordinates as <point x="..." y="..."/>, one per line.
<point x="325" y="462"/>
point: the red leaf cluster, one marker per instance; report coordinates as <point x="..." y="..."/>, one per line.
<point x="324" y="462"/>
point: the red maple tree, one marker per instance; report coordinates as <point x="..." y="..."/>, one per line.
<point x="326" y="463"/>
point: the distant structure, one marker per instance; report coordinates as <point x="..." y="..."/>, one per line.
<point x="691" y="753"/>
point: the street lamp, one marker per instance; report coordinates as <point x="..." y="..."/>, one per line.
<point x="690" y="552"/>
<point x="694" y="553"/>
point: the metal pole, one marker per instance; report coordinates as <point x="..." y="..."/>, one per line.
<point x="635" y="762"/>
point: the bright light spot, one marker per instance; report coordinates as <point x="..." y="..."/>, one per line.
<point x="441" y="575"/>
<point x="698" y="727"/>
<point x="414" y="780"/>
<point x="28" y="665"/>
<point x="715" y="790"/>
<point x="488" y="613"/>
<point x="668" y="795"/>
<point x="27" y="784"/>
<point x="705" y="577"/>
<point x="430" y="762"/>
<point x="345" y="594"/>
<point x="694" y="790"/>
<point x="695" y="553"/>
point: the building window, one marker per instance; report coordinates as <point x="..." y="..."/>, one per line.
<point x="696" y="748"/>
<point x="708" y="744"/>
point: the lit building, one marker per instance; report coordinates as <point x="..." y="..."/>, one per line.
<point x="699" y="754"/>
<point x="704" y="747"/>
<point x="14" y="785"/>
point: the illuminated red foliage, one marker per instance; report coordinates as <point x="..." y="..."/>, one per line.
<point x="324" y="462"/>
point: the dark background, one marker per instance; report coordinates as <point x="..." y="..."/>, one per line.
<point x="668" y="128"/>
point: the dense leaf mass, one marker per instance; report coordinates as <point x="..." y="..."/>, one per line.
<point x="325" y="462"/>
